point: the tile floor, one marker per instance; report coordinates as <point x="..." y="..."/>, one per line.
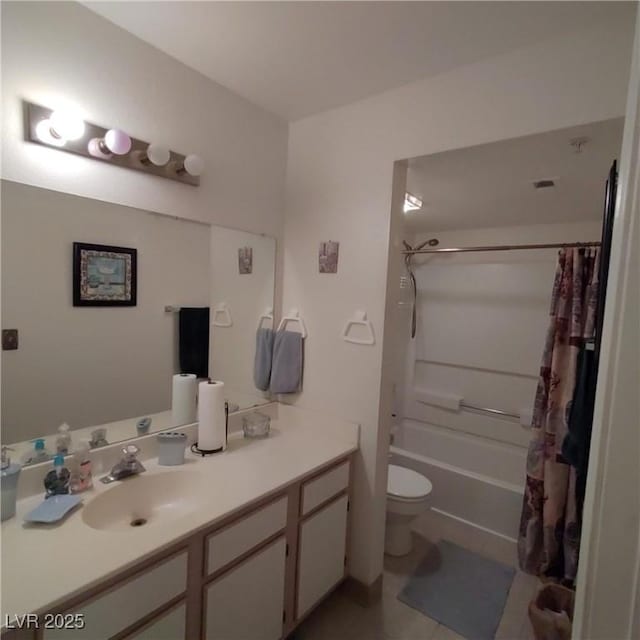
<point x="339" y="618"/>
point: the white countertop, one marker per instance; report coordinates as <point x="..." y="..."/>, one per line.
<point x="44" y="565"/>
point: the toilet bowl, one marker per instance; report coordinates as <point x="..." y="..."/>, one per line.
<point x="407" y="497"/>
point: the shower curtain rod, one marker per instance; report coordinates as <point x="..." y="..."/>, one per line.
<point x="503" y="247"/>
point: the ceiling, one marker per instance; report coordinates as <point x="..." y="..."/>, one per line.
<point x="299" y="58"/>
<point x="491" y="185"/>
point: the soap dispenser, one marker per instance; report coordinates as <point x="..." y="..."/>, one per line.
<point x="38" y="454"/>
<point x="63" y="441"/>
<point x="56" y="482"/>
<point x="9" y="485"/>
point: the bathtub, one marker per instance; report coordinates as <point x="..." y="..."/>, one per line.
<point x="476" y="481"/>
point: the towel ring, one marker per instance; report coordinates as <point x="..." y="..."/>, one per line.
<point x="359" y="318"/>
<point x="294" y="316"/>
<point x="222" y="309"/>
<point x="267" y="315"/>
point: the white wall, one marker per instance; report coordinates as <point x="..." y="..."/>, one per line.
<point x="247" y="296"/>
<point x="90" y="365"/>
<point x="339" y="187"/>
<point x="61" y="53"/>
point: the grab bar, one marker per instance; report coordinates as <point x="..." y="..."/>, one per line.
<point x="495" y="412"/>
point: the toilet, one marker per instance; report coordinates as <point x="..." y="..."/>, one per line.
<point x="407" y="497"/>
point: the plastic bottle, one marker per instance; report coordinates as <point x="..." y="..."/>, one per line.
<point x="56" y="482"/>
<point x="81" y="476"/>
<point x="63" y="441"/>
<point x="38" y="454"/>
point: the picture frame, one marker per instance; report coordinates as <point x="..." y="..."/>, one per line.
<point x="245" y="260"/>
<point x="104" y="275"/>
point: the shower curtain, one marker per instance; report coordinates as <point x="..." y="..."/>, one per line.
<point x="549" y="530"/>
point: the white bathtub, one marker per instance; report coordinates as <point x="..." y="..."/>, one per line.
<point x="476" y="480"/>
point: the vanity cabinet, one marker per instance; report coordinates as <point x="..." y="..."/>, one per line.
<point x="322" y="558"/>
<point x="167" y="626"/>
<point x="128" y="601"/>
<point x="248" y="601"/>
<point x="253" y="576"/>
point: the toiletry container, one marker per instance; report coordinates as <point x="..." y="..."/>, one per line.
<point x="37" y="454"/>
<point x="171" y="447"/>
<point x="256" y="425"/>
<point x="81" y="475"/>
<point x="63" y="441"/>
<point x="8" y="485"/>
<point x="56" y="482"/>
<point x="143" y="425"/>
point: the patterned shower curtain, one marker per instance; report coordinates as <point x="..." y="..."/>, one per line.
<point x="549" y="530"/>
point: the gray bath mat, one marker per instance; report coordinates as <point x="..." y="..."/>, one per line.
<point x="462" y="590"/>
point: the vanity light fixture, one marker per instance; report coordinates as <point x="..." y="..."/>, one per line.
<point x="193" y="165"/>
<point x="115" y="141"/>
<point x="67" y="132"/>
<point x="60" y="127"/>
<point x="156" y="154"/>
<point x="411" y="202"/>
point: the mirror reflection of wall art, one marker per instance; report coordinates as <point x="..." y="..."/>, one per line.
<point x="245" y="260"/>
<point x="328" y="257"/>
<point x="104" y="276"/>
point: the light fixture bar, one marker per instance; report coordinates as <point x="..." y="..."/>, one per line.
<point x="35" y="114"/>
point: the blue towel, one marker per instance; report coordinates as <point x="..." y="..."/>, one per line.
<point x="262" y="362"/>
<point x="286" y="369"/>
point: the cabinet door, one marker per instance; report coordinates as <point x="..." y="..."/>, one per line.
<point x="321" y="559"/>
<point x="247" y="602"/>
<point x="167" y="626"/>
<point x="126" y="603"/>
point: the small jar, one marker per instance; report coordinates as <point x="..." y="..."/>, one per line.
<point x="256" y="425"/>
<point x="171" y="446"/>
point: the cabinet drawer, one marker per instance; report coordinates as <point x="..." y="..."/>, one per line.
<point x="320" y="489"/>
<point x="167" y="626"/>
<point x="232" y="541"/>
<point x="119" y="608"/>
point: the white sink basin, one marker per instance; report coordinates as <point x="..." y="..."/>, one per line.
<point x="144" y="500"/>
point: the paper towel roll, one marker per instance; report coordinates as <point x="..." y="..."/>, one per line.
<point x="183" y="399"/>
<point x="212" y="419"/>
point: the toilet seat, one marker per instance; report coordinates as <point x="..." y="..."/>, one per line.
<point x="407" y="485"/>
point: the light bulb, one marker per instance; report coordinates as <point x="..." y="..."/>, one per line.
<point x="97" y="149"/>
<point x="193" y="164"/>
<point x="43" y="132"/>
<point x="117" y="142"/>
<point x="158" y="155"/>
<point x="66" y="125"/>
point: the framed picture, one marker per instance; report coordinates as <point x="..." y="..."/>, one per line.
<point x="328" y="257"/>
<point x="245" y="260"/>
<point x="104" y="276"/>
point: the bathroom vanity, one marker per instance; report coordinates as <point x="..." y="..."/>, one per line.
<point x="259" y="538"/>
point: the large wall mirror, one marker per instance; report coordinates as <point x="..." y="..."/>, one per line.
<point x="103" y="369"/>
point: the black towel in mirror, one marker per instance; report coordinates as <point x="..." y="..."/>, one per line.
<point x="194" y="341"/>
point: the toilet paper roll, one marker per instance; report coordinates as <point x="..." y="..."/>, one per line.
<point x="183" y="399"/>
<point x="212" y="419"/>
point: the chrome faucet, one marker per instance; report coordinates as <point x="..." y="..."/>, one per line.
<point x="128" y="466"/>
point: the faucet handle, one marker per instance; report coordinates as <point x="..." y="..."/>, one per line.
<point x="131" y="450"/>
